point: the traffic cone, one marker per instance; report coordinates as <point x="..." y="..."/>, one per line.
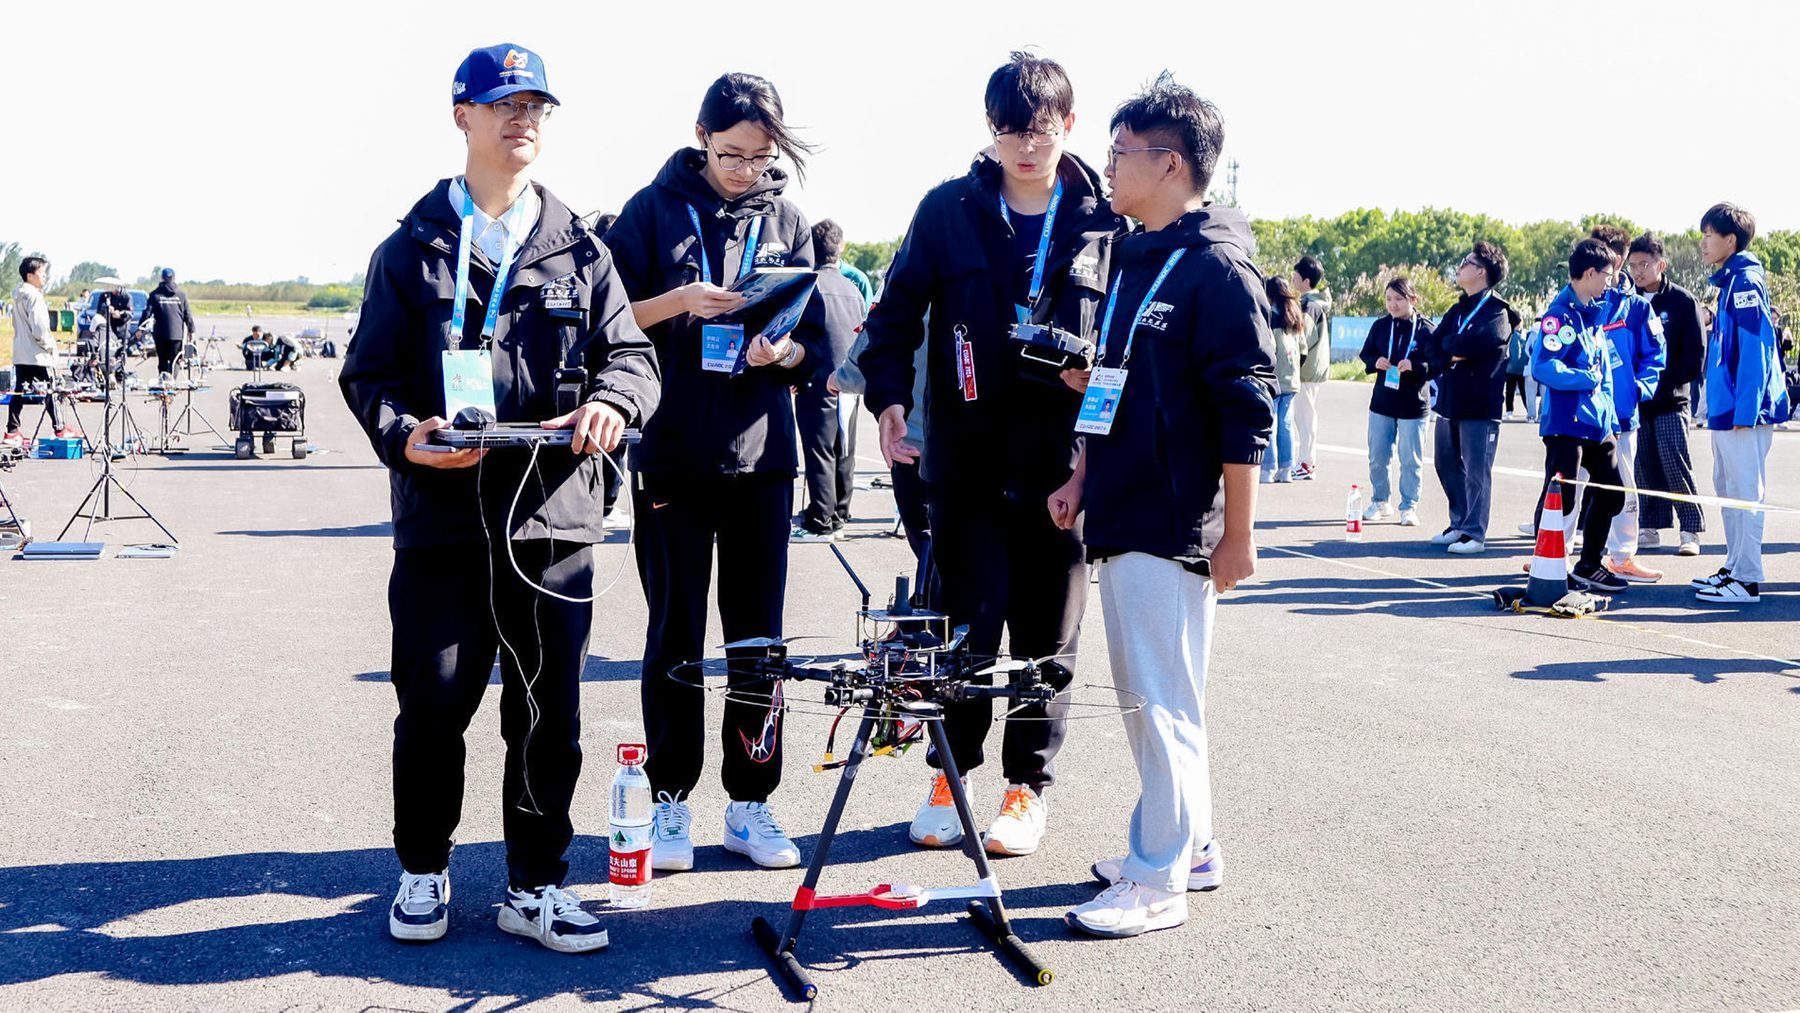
<point x="1549" y="561"/>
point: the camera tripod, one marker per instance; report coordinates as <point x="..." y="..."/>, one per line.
<point x="66" y="397"/>
<point x="176" y="432"/>
<point x="97" y="505"/>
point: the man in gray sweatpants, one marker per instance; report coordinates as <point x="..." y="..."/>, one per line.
<point x="1170" y="529"/>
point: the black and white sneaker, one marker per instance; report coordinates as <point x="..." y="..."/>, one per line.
<point x="1730" y="591"/>
<point x="1701" y="583"/>
<point x="421" y="910"/>
<point x="552" y="916"/>
<point x="1597" y="578"/>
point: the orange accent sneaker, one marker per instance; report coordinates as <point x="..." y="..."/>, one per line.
<point x="936" y="824"/>
<point x="1632" y="571"/>
<point x="1019" y="828"/>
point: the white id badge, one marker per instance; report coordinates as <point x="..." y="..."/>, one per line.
<point x="720" y="346"/>
<point x="468" y="381"/>
<point x="1393" y="377"/>
<point x="1100" y="405"/>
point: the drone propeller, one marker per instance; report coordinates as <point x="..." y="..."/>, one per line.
<point x="1071" y="709"/>
<point x="1004" y="664"/>
<point x="763" y="642"/>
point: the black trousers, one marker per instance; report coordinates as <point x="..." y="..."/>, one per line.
<point x="909" y="500"/>
<point x="453" y="609"/>
<point x="678" y="521"/>
<point x="1562" y="456"/>
<point x="166" y="354"/>
<point x="1515" y="384"/>
<point x="828" y="450"/>
<point x="1003" y="566"/>
<point x="26" y="374"/>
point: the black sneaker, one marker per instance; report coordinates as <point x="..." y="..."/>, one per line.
<point x="1597" y="578"/>
<point x="421" y="910"/>
<point x="1730" y="591"/>
<point x="552" y="916"/>
<point x="1701" y="583"/>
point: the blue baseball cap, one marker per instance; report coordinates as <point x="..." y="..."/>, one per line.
<point x="168" y="274"/>
<point x="491" y="74"/>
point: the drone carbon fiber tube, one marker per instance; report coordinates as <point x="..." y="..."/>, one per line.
<point x="1010" y="945"/>
<point x="785" y="961"/>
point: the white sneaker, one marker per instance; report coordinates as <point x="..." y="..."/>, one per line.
<point x="1207" y="874"/>
<point x="1649" y="538"/>
<point x="1710" y="579"/>
<point x="671" y="847"/>
<point x="1128" y="909"/>
<point x="1378" y="512"/>
<point x="1019" y="828"/>
<point x="1264" y="476"/>
<point x="1730" y="591"/>
<point x="751" y="831"/>
<point x="1284" y="475"/>
<point x="1409" y="518"/>
<point x="1690" y="544"/>
<point x="421" y="910"/>
<point x="1446" y="536"/>
<point x="552" y="916"/>
<point x="935" y="824"/>
<point x="1528" y="529"/>
<point x="1467" y="546"/>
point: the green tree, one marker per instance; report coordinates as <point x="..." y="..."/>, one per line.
<point x="871" y="258"/>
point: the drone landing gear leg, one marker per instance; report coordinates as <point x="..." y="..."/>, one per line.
<point x="990" y="918"/>
<point x="781" y="950"/>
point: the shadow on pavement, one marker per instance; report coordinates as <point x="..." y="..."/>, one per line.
<point x="1701" y="670"/>
<point x="374" y="529"/>
<point x="597" y="670"/>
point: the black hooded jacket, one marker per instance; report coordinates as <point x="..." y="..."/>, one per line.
<point x="1199" y="392"/>
<point x="1686" y="337"/>
<point x="1471" y="390"/>
<point x="393" y="370"/>
<point x="168" y="306"/>
<point x="955" y="270"/>
<point x="1393" y="340"/>
<point x="715" y="423"/>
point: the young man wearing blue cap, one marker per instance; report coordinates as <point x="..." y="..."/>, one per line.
<point x="492" y="294"/>
<point x="168" y="305"/>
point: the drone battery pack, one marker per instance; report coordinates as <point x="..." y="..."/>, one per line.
<point x="146" y="551"/>
<point x="62" y="550"/>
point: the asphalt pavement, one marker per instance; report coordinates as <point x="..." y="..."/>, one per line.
<point x="1424" y="804"/>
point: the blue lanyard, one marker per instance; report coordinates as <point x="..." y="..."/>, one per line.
<point x="1410" y="337"/>
<point x="751" y="239"/>
<point x="1463" y="324"/>
<point x="1043" y="250"/>
<point x="458" y="314"/>
<point x="1112" y="302"/>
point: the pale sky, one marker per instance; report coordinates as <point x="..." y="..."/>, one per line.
<point x="257" y="142"/>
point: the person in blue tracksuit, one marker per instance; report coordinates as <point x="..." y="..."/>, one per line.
<point x="1580" y="419"/>
<point x="1746" y="397"/>
<point x="1639" y="352"/>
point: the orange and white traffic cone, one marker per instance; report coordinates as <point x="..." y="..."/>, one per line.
<point x="1550" y="560"/>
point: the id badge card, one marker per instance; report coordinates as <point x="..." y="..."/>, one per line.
<point x="1393" y="377"/>
<point x="1100" y="405"/>
<point x="720" y="347"/>
<point x="468" y="381"/>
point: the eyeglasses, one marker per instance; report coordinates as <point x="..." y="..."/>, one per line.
<point x="535" y="110"/>
<point x="1029" y="138"/>
<point x="1113" y="152"/>
<point x="732" y="163"/>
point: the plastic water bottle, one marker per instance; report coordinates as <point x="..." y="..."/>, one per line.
<point x="629" y="873"/>
<point x="1353" y="511"/>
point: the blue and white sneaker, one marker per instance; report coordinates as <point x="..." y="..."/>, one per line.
<point x="751" y="831"/>
<point x="421" y="911"/>
<point x="1207" y="874"/>
<point x="552" y="916"/>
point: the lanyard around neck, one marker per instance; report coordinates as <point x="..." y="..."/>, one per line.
<point x="1112" y="302"/>
<point x="1463" y="324"/>
<point x="1043" y="250"/>
<point x="508" y="249"/>
<point x="748" y="262"/>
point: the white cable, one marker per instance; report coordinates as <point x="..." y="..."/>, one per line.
<point x="630" y="532"/>
<point x="530" y="700"/>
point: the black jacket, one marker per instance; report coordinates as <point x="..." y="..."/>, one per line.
<point x="957" y="268"/>
<point x="1390" y="339"/>
<point x="168" y="306"/>
<point x="842" y="303"/>
<point x="1472" y="390"/>
<point x="1686" y="338"/>
<point x="715" y="423"/>
<point x="393" y="370"/>
<point x="1199" y="391"/>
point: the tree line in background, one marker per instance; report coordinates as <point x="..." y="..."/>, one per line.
<point x="1361" y="250"/>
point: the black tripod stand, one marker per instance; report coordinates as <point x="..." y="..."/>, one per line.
<point x="97" y="506"/>
<point x="183" y="425"/>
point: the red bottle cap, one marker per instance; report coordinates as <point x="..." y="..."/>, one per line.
<point x="632" y="754"/>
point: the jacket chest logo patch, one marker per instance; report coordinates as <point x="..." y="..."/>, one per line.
<point x="1086" y="267"/>
<point x="771" y="255"/>
<point x="1745" y="300"/>
<point x="1156" y="315"/>
<point x="559" y="292"/>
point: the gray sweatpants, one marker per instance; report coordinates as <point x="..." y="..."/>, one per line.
<point x="1159" y="620"/>
<point x="1740" y="471"/>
